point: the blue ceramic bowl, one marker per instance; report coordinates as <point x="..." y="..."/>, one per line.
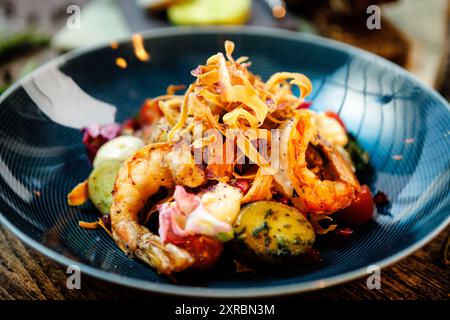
<point x="401" y="123"/>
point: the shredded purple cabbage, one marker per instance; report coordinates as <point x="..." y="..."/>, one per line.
<point x="94" y="136"/>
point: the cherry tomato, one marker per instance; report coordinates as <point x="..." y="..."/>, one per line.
<point x="205" y="250"/>
<point x="305" y="105"/>
<point x="131" y="124"/>
<point x="360" y="211"/>
<point x="150" y="112"/>
<point x="242" y="185"/>
<point x="335" y="116"/>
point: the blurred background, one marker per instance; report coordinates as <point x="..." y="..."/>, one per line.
<point x="412" y="33"/>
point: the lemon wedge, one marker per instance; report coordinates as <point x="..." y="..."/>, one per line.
<point x="209" y="12"/>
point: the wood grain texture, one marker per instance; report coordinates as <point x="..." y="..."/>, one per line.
<point x="26" y="274"/>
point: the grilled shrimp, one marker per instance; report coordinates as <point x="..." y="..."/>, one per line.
<point x="322" y="180"/>
<point x="141" y="176"/>
<point x="183" y="167"/>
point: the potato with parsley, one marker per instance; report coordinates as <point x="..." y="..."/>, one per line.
<point x="101" y="184"/>
<point x="107" y="163"/>
<point x="272" y="232"/>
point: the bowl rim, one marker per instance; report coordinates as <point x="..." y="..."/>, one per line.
<point x="192" y="291"/>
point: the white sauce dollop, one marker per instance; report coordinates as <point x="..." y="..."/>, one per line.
<point x="223" y="202"/>
<point x="118" y="149"/>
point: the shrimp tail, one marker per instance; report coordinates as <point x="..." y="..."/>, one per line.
<point x="166" y="258"/>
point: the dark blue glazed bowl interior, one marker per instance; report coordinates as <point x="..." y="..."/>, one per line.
<point x="403" y="125"/>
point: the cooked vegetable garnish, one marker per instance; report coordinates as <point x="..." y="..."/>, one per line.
<point x="360" y="210"/>
<point x="79" y="195"/>
<point x="89" y="225"/>
<point x="117" y="149"/>
<point x="101" y="183"/>
<point x="359" y="157"/>
<point x="272" y="232"/>
<point x="94" y="136"/>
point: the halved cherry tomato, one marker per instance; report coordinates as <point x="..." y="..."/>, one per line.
<point x="360" y="211"/>
<point x="130" y="124"/>
<point x="242" y="185"/>
<point x="305" y="105"/>
<point x="205" y="250"/>
<point x="150" y="112"/>
<point x="335" y="116"/>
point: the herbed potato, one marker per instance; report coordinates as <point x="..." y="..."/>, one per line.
<point x="268" y="231"/>
<point x="101" y="184"/>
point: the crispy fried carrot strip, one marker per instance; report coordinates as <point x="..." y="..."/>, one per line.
<point x="89" y="225"/>
<point x="79" y="195"/>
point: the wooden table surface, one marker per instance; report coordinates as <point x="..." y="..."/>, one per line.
<point x="27" y="274"/>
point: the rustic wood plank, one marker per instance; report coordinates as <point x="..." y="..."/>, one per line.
<point x="26" y="274"/>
